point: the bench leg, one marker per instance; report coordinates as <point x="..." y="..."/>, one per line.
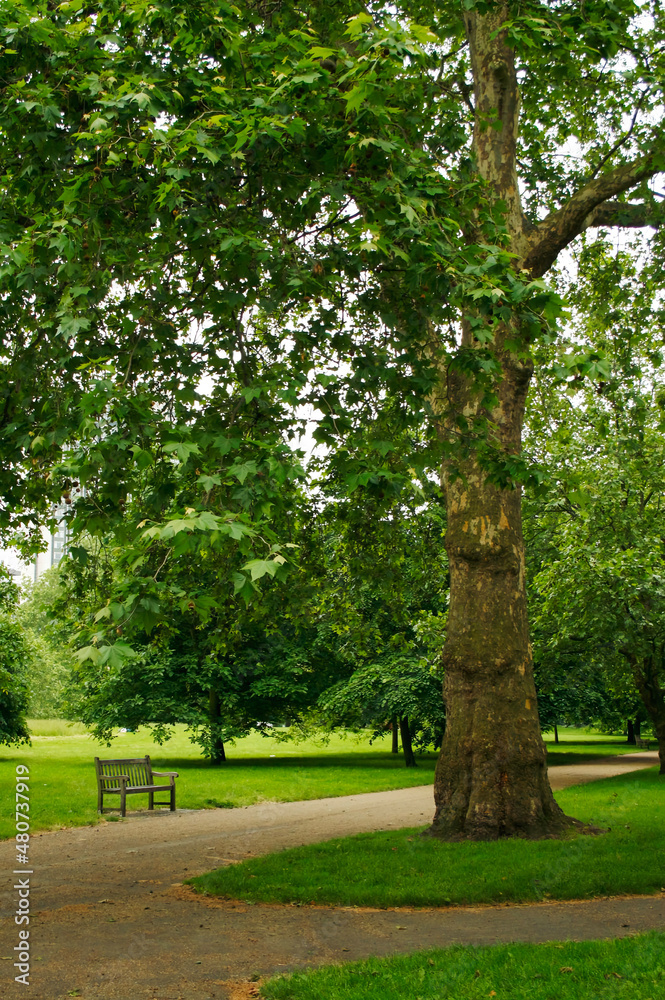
<point x="151" y="800"/>
<point x="173" y="797"/>
<point x="123" y="802"/>
<point x="100" y="801"/>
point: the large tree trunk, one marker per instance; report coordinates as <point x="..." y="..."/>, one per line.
<point x="491" y="777"/>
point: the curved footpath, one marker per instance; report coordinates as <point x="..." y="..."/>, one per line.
<point x="111" y="920"/>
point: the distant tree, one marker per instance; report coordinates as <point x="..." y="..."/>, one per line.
<point x="222" y="680"/>
<point x="603" y="597"/>
<point x="50" y="656"/>
<point x="383" y="601"/>
<point x="191" y="645"/>
<point x="574" y="689"/>
<point x="598" y="549"/>
<point x="396" y="690"/>
<point x="14" y="660"/>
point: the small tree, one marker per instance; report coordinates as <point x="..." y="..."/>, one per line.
<point x="399" y="690"/>
<point x="383" y="602"/>
<point x="598" y="588"/>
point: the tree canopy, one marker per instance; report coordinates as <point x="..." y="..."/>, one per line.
<point x="215" y="214"/>
<point x="599" y="576"/>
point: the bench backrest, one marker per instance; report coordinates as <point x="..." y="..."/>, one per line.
<point x="138" y="769"/>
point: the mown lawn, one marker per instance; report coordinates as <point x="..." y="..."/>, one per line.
<point x="259" y="769"/>
<point x="631" y="968"/>
<point x="401" y="868"/>
<point x="64" y="791"/>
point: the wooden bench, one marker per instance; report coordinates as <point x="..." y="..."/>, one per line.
<point x="644" y="744"/>
<point x="131" y="776"/>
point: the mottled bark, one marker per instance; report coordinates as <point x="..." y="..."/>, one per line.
<point x="497" y="102"/>
<point x="626" y="215"/>
<point x="587" y="208"/>
<point x="491" y="777"/>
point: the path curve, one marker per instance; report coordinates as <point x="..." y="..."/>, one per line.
<point x="112" y="920"/>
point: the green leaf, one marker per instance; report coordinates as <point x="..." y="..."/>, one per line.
<point x="356" y="24"/>
<point x="259" y="568"/>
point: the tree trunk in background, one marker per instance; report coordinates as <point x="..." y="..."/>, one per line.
<point x="407" y="746"/>
<point x="395" y="732"/>
<point x="556" y="733"/>
<point x="217" y="751"/>
<point x="647" y="682"/>
<point x="630" y="739"/>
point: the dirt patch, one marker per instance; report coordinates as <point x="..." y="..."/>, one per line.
<point x="243" y="990"/>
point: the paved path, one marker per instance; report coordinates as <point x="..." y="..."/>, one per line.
<point x="112" y="921"/>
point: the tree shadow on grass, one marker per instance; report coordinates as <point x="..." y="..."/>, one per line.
<point x="352" y="761"/>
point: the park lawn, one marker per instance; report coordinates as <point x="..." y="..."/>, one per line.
<point x="576" y="746"/>
<point x="64" y="792"/>
<point x="631" y="968"/>
<point x="401" y="868"/>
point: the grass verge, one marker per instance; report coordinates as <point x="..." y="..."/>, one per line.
<point x="400" y="868"/>
<point x="631" y="968"/>
<point x="63" y="792"/>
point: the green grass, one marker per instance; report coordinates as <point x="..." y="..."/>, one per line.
<point x="576" y="746"/>
<point x="259" y="769"/>
<point x="64" y="791"/>
<point x="631" y="968"/>
<point x="401" y="868"/>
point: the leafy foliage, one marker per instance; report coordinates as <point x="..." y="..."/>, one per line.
<point x="598" y="592"/>
<point x="14" y="658"/>
<point x="50" y="659"/>
<point x="383" y="602"/>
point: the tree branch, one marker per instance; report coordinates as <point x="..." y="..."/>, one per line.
<point x="628" y="216"/>
<point x="560" y="228"/>
<point x="626" y="136"/>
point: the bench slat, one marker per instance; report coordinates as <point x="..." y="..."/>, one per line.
<point x="139" y="788"/>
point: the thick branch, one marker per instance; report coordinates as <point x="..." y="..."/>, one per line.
<point x="627" y="216"/>
<point x="560" y="228"/>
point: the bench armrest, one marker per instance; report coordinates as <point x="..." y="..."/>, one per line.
<point x="166" y="774"/>
<point x="113" y="777"/>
